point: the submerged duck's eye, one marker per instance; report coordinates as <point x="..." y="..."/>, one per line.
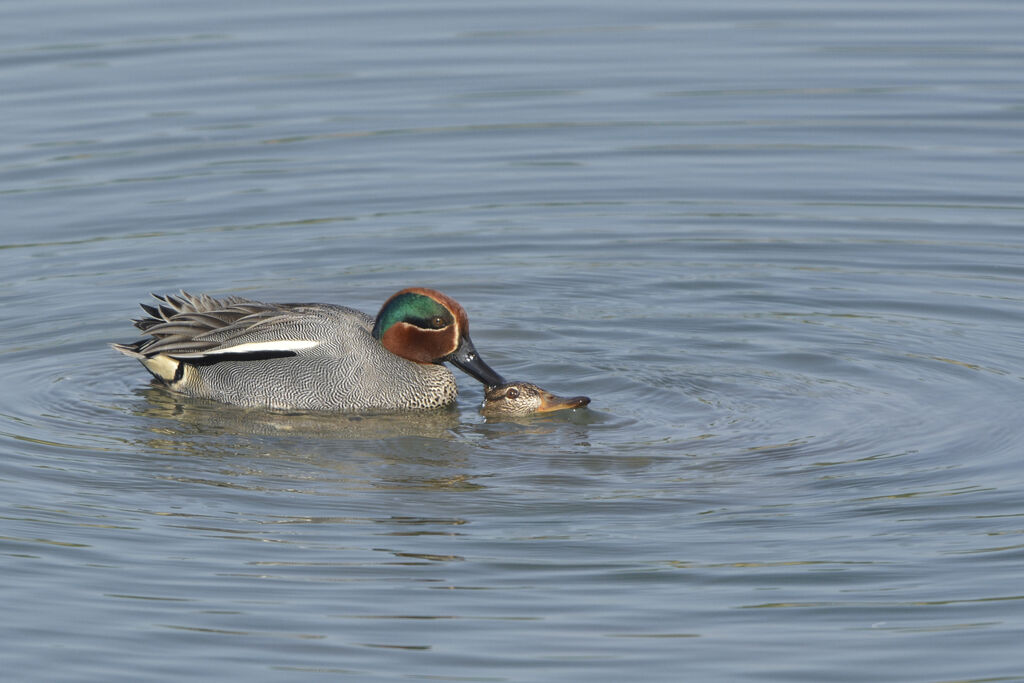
<point x="512" y="393"/>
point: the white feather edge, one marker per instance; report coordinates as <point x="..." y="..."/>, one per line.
<point x="254" y="347"/>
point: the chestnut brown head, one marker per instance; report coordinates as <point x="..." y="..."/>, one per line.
<point x="426" y="326"/>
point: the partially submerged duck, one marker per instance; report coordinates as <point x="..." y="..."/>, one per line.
<point x="517" y="399"/>
<point x="310" y="356"/>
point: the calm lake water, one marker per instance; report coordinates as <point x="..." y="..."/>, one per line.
<point x="778" y="243"/>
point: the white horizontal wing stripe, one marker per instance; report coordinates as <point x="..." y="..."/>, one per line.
<point x="254" y="347"/>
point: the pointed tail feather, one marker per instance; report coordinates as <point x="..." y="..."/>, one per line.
<point x="129" y="349"/>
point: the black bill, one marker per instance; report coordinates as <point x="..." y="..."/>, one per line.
<point x="466" y="358"/>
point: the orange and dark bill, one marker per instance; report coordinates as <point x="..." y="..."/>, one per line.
<point x="550" y="402"/>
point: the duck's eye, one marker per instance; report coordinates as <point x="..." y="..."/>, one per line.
<point x="437" y="322"/>
<point x="512" y="393"/>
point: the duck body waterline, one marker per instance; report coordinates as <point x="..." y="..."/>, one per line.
<point x="310" y="356"/>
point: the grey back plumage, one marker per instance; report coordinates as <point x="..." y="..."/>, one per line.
<point x="287" y="356"/>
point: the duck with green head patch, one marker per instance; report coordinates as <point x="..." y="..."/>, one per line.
<point x="310" y="356"/>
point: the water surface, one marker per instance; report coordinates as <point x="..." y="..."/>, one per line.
<point x="777" y="243"/>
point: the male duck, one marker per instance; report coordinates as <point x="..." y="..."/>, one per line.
<point x="310" y="356"/>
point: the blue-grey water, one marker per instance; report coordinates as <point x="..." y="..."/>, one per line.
<point x="780" y="244"/>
